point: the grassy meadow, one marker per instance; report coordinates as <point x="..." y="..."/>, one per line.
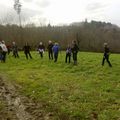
<point x="70" y="92"/>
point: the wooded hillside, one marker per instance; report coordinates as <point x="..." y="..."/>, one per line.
<point x="90" y="36"/>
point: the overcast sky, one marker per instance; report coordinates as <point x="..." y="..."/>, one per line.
<point x="62" y="11"/>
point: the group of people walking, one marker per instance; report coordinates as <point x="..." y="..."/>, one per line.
<point x="53" y="51"/>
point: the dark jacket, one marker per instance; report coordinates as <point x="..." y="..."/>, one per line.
<point x="15" y="48"/>
<point x="27" y="48"/>
<point x="75" y="48"/>
<point x="55" y="49"/>
<point x="106" y="51"/>
<point x="50" y="46"/>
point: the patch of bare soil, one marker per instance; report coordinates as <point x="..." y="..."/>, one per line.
<point x="16" y="107"/>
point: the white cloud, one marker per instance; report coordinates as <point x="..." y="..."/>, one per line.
<point x="65" y="11"/>
<point x="95" y="6"/>
<point x="43" y="3"/>
<point x="28" y="0"/>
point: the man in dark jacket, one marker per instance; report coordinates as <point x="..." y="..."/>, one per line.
<point x="50" y="52"/>
<point x="27" y="50"/>
<point x="106" y="55"/>
<point x="75" y="50"/>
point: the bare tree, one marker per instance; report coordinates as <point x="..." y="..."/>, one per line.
<point x="17" y="7"/>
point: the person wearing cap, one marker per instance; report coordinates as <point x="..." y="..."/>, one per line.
<point x="4" y="51"/>
<point x="50" y="52"/>
<point x="41" y="49"/>
<point x="55" y="51"/>
<point x="15" y="50"/>
<point x="75" y="50"/>
<point x="106" y="55"/>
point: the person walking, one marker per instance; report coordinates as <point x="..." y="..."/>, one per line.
<point x="75" y="50"/>
<point x="68" y="54"/>
<point x="9" y="49"/>
<point x="50" y="52"/>
<point x="15" y="50"/>
<point x="0" y="51"/>
<point x="106" y="55"/>
<point x="27" y="51"/>
<point x="4" y="51"/>
<point x="41" y="49"/>
<point x="56" y="51"/>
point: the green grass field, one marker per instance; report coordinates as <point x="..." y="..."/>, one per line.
<point x="70" y="92"/>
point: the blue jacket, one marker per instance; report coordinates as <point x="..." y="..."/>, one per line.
<point x="55" y="48"/>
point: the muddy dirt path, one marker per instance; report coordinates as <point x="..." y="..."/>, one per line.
<point x="16" y="107"/>
<point x="13" y="108"/>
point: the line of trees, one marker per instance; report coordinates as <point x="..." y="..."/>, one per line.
<point x="90" y="36"/>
